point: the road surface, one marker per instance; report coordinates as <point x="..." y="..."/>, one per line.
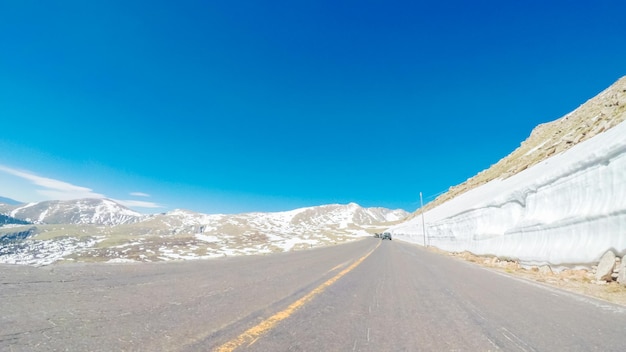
<point x="368" y="295"/>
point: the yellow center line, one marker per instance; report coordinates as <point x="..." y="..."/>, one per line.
<point x="338" y="266"/>
<point x="251" y="335"/>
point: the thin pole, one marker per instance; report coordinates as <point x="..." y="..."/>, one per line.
<point x="423" y="224"/>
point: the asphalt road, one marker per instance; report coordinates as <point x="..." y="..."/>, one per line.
<point x="368" y="295"/>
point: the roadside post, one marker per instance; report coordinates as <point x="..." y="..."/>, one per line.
<point x="423" y="223"/>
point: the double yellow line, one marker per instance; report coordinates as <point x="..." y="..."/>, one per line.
<point x="254" y="333"/>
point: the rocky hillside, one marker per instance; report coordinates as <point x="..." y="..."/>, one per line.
<point x="597" y="115"/>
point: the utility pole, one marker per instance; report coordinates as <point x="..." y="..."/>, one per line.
<point x="423" y="223"/>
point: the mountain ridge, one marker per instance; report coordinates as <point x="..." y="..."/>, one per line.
<point x="183" y="234"/>
<point x="101" y="211"/>
<point x="9" y="201"/>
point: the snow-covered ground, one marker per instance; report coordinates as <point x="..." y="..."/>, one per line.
<point x="186" y="235"/>
<point x="565" y="211"/>
<point x="39" y="253"/>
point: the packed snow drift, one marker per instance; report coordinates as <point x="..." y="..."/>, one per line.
<point x="566" y="211"/>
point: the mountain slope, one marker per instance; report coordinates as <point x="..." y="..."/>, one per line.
<point x="323" y="223"/>
<point x="80" y="211"/>
<point x="598" y="114"/>
<point x="182" y="234"/>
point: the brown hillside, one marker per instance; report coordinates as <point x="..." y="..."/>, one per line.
<point x="597" y="115"/>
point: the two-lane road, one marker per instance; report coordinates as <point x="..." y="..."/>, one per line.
<point x="404" y="298"/>
<point x="368" y="295"/>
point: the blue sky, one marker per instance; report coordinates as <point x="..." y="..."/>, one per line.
<point x="227" y="107"/>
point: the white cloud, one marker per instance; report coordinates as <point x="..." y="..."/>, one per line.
<point x="139" y="194"/>
<point x="53" y="189"/>
<point x="137" y="204"/>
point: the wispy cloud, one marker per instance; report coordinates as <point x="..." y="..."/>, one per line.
<point x="138" y="204"/>
<point x="139" y="194"/>
<point x="52" y="189"/>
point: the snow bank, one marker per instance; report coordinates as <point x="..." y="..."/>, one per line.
<point x="565" y="211"/>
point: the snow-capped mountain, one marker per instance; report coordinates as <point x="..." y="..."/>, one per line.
<point x="345" y="215"/>
<point x="324" y="219"/>
<point x="183" y="234"/>
<point x="80" y="211"/>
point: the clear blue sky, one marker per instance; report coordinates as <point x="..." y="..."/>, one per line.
<point x="236" y="106"/>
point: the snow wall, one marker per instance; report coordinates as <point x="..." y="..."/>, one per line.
<point x="566" y="211"/>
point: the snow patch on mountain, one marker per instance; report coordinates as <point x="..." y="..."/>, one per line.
<point x="80" y="211"/>
<point x="347" y="217"/>
<point x="42" y="252"/>
<point x="183" y="234"/>
<point x="14" y="212"/>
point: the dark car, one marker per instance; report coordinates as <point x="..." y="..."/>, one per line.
<point x="386" y="235"/>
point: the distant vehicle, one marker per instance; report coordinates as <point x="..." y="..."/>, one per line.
<point x="386" y="235"/>
<point x="377" y="235"/>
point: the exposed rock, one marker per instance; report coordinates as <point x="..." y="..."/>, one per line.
<point x="621" y="278"/>
<point x="606" y="266"/>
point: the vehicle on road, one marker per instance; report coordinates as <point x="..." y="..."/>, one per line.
<point x="386" y="235"/>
